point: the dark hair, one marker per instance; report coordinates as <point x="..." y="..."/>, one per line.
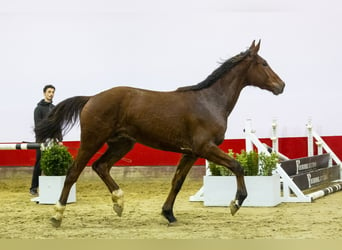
<point x="48" y="87"/>
<point x="218" y="73"/>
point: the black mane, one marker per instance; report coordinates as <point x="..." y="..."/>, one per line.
<point x="218" y="73"/>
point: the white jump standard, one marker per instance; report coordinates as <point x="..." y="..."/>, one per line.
<point x="299" y="176"/>
<point x="311" y="171"/>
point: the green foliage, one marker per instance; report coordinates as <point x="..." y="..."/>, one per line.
<point x="250" y="162"/>
<point x="55" y="160"/>
<point x="268" y="163"/>
<point x="218" y="170"/>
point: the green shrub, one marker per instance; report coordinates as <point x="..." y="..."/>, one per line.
<point x="250" y="162"/>
<point x="218" y="170"/>
<point x="268" y="163"/>
<point x="55" y="160"/>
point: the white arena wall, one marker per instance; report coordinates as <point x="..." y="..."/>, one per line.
<point x="84" y="47"/>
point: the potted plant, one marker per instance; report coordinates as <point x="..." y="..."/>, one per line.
<point x="55" y="162"/>
<point x="263" y="185"/>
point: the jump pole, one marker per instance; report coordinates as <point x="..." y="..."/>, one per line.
<point x="22" y="146"/>
<point x="326" y="191"/>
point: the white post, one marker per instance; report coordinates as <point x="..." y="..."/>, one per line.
<point x="319" y="147"/>
<point x="310" y="138"/>
<point x="248" y="131"/>
<point x="207" y="169"/>
<point x="274" y="138"/>
<point x="327" y="148"/>
<point x="251" y="139"/>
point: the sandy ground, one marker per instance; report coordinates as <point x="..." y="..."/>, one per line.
<point x="146" y="188"/>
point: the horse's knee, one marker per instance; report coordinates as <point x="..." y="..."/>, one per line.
<point x="101" y="168"/>
<point x="237" y="169"/>
<point x="94" y="166"/>
<point x="98" y="169"/>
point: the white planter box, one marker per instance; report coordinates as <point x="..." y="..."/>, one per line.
<point x="263" y="191"/>
<point x="50" y="188"/>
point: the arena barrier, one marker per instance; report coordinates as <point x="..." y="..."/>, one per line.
<point x="298" y="177"/>
<point x="309" y="173"/>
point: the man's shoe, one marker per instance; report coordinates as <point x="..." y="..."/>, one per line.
<point x="33" y="192"/>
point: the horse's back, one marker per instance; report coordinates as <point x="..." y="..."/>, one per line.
<point x="123" y="101"/>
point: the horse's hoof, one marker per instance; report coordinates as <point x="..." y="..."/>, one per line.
<point x="118" y="201"/>
<point x="172" y="224"/>
<point x="169" y="216"/>
<point x="117" y="209"/>
<point x="234" y="207"/>
<point x="56" y="223"/>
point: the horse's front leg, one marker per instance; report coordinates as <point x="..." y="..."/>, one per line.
<point x="70" y="179"/>
<point x="217" y="156"/>
<point x="83" y="156"/>
<point x="241" y="192"/>
<point x="183" y="168"/>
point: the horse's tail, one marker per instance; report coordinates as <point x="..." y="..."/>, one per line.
<point x="62" y="117"/>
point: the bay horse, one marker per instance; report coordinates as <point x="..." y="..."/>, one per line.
<point x="191" y="121"/>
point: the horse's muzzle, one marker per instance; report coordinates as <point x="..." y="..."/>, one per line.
<point x="279" y="88"/>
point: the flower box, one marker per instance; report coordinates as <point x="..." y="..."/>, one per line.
<point x="262" y="191"/>
<point x="50" y="188"/>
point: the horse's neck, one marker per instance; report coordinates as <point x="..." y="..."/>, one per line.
<point x="226" y="91"/>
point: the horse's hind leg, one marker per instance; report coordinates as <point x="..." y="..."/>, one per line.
<point x="117" y="148"/>
<point x="183" y="168"/>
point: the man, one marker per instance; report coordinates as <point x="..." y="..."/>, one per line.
<point x="40" y="112"/>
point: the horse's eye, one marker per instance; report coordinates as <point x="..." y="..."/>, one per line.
<point x="265" y="64"/>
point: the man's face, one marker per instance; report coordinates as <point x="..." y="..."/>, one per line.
<point x="48" y="94"/>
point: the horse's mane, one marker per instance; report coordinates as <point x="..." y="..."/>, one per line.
<point x="218" y="73"/>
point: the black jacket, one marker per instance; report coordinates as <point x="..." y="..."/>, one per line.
<point x="41" y="111"/>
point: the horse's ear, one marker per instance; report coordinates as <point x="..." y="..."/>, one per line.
<point x="257" y="47"/>
<point x="254" y="48"/>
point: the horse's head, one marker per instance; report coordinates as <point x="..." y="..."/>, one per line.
<point x="260" y="73"/>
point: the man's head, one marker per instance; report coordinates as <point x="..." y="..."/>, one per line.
<point x="49" y="92"/>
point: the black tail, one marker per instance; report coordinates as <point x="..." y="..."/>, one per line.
<point x="62" y="117"/>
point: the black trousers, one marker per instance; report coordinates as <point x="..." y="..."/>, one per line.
<point x="36" y="171"/>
